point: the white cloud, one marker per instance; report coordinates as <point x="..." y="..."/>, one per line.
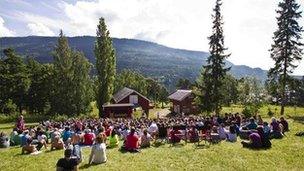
<point x="186" y="24"/>
<point x="5" y="32"/>
<point x="40" y="29"/>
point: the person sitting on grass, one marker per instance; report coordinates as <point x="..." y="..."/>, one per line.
<point x="284" y="124"/>
<point x="276" y="130"/>
<point x="29" y="147"/>
<point x="145" y="139"/>
<point x="231" y="134"/>
<point x="174" y="135"/>
<point x="15" y="138"/>
<point x="193" y="135"/>
<point x="266" y="128"/>
<point x="57" y="143"/>
<point x="113" y="139"/>
<point x="153" y="129"/>
<point x="66" y="135"/>
<point x="255" y="141"/>
<point x="252" y="125"/>
<point x="4" y="140"/>
<point x="98" y="152"/>
<point x="68" y="162"/>
<point x="42" y="140"/>
<point x="264" y="138"/>
<point x="25" y="136"/>
<point x="88" y="138"/>
<point x="132" y="141"/>
<point x="222" y="131"/>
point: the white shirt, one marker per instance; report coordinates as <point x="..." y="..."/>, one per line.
<point x="98" y="153"/>
<point x="41" y="137"/>
<point x="231" y="137"/>
<point x="153" y="128"/>
<point x="222" y="133"/>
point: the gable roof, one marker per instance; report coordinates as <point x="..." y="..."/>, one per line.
<point x="123" y="93"/>
<point x="180" y="95"/>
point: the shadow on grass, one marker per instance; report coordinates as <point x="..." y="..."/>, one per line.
<point x="299" y="119"/>
<point x="86" y="166"/>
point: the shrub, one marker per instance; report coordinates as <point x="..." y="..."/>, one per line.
<point x="10" y="107"/>
<point x="270" y="113"/>
<point x="250" y="110"/>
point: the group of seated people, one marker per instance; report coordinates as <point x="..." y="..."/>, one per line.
<point x="139" y="133"/>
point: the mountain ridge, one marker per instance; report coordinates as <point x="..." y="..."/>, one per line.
<point x="149" y="58"/>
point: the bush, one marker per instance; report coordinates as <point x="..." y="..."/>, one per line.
<point x="10" y="107"/>
<point x="250" y="110"/>
<point x="270" y="113"/>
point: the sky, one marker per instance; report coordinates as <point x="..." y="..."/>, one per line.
<point x="184" y="24"/>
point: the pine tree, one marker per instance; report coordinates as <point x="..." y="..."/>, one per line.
<point x="39" y="93"/>
<point x="105" y="65"/>
<point x="210" y="83"/>
<point x="14" y="79"/>
<point x="287" y="46"/>
<point x="72" y="84"/>
<point x="63" y="75"/>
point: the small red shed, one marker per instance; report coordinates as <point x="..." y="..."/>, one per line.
<point x="125" y="100"/>
<point x="183" y="102"/>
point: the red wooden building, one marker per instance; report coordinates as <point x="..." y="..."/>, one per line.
<point x="123" y="103"/>
<point x="183" y="102"/>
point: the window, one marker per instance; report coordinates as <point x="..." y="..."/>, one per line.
<point x="133" y="99"/>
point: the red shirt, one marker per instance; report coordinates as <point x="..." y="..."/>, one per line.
<point x="132" y="142"/>
<point x="88" y="139"/>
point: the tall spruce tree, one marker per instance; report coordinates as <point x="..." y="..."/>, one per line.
<point x="105" y="65"/>
<point x="287" y="46"/>
<point x="14" y="79"/>
<point x="210" y="83"/>
<point x="72" y="84"/>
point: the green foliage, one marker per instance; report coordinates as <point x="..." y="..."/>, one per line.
<point x="39" y="93"/>
<point x="210" y="84"/>
<point x="270" y="113"/>
<point x="72" y="84"/>
<point x="230" y="90"/>
<point x="184" y="84"/>
<point x="250" y="110"/>
<point x="9" y="107"/>
<point x="287" y="47"/>
<point x="105" y="65"/>
<point x="146" y="86"/>
<point x="14" y="78"/>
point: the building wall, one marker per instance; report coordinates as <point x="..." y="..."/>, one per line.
<point x="186" y="106"/>
<point x="144" y="103"/>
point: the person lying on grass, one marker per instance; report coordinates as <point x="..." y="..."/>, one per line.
<point x="68" y="162"/>
<point x="98" y="151"/>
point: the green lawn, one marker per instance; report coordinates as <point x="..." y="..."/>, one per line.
<point x="285" y="154"/>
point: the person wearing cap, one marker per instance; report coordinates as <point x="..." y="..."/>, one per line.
<point x="68" y="162"/>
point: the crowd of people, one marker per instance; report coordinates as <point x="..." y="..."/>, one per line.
<point x="135" y="134"/>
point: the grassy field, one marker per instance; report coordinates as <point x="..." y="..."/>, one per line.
<point x="285" y="154"/>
